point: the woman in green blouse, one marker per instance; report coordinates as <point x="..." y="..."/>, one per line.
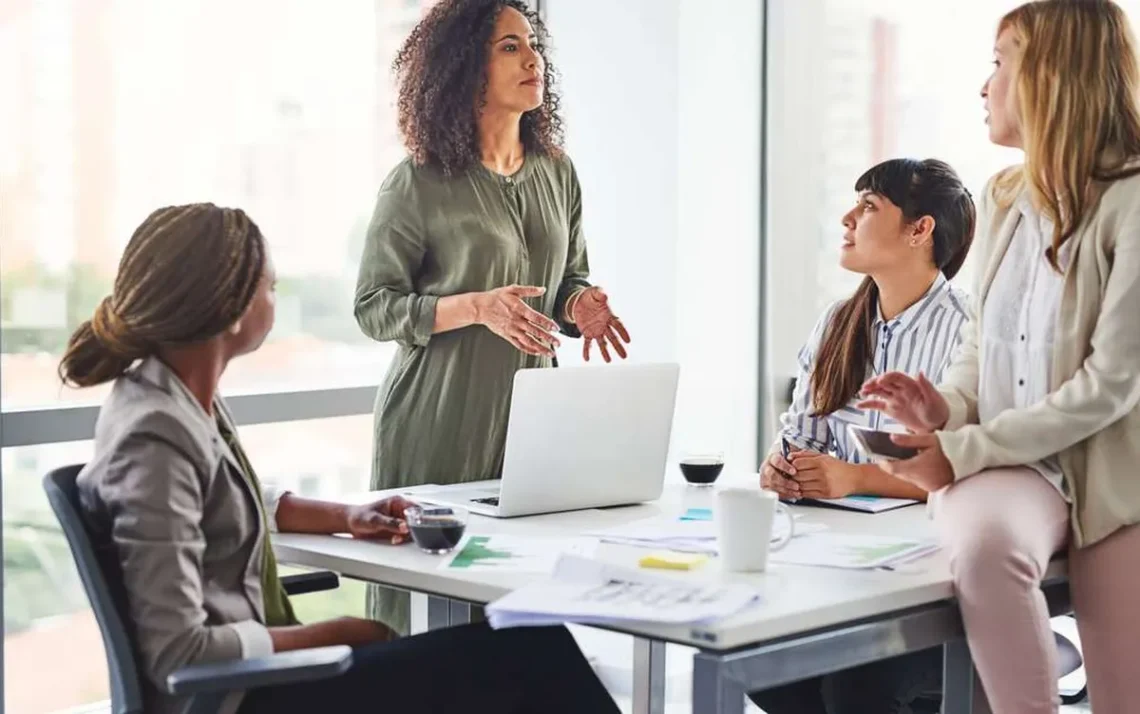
<point x="475" y="259"/>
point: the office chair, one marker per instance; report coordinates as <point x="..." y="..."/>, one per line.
<point x="206" y="684"/>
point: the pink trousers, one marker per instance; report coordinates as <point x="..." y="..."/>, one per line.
<point x="1000" y="528"/>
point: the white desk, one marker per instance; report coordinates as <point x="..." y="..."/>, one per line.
<point x="810" y="621"/>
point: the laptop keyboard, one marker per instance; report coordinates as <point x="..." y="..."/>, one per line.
<point x="489" y="501"/>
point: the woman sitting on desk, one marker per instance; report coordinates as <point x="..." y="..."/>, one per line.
<point x="909" y="232"/>
<point x="172" y="494"/>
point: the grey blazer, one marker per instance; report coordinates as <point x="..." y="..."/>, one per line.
<point x="166" y="499"/>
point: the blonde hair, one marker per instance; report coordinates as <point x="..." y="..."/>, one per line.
<point x="187" y="274"/>
<point x="1076" y="86"/>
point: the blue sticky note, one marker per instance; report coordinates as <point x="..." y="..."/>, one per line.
<point x="697" y="514"/>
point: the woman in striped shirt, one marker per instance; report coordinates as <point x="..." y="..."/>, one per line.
<point x="908" y="233"/>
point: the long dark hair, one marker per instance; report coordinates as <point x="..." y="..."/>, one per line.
<point x="441" y="71"/>
<point x="918" y="188"/>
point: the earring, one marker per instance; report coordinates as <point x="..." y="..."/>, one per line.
<point x="235" y="328"/>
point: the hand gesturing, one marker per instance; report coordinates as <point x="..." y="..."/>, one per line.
<point x="592" y="315"/>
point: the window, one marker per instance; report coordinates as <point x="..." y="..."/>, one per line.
<point x="115" y="107"/>
<point x="851" y="83"/>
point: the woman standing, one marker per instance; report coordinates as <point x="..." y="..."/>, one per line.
<point x="475" y="256"/>
<point x="1033" y="438"/>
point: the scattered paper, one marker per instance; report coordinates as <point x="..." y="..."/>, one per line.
<point x="514" y="554"/>
<point x="685" y="536"/>
<point x="587" y="591"/>
<point x="848" y="550"/>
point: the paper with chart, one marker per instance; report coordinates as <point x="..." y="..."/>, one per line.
<point x="685" y="534"/>
<point x="515" y="554"/>
<point x="851" y="550"/>
<point x="588" y="591"/>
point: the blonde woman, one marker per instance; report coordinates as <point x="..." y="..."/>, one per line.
<point x="1032" y="440"/>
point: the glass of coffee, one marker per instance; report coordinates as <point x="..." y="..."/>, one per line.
<point x="436" y="529"/>
<point x="702" y="470"/>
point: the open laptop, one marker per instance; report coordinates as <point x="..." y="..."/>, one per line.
<point x="578" y="437"/>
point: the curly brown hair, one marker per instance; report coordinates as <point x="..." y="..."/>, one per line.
<point x="441" y="70"/>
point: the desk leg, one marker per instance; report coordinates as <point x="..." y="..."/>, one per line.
<point x="438" y="613"/>
<point x="648" y="676"/>
<point x="464" y="613"/>
<point x="962" y="691"/>
<point x="713" y="691"/>
<point x="442" y="612"/>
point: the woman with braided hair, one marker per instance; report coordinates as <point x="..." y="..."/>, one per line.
<point x="475" y="257"/>
<point x="173" y="502"/>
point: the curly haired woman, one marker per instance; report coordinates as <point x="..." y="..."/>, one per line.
<point x="475" y="259"/>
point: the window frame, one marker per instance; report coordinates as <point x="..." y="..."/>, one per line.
<point x="39" y="426"/>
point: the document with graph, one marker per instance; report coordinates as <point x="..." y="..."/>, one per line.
<point x="587" y="591"/>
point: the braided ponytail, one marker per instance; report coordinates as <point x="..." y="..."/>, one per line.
<point x="187" y="274"/>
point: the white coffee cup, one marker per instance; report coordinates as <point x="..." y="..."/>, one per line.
<point x="745" y="518"/>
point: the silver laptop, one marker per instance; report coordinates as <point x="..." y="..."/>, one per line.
<point x="578" y="437"/>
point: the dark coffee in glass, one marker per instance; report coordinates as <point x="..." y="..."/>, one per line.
<point x="702" y="470"/>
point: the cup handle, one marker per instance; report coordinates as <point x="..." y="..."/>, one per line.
<point x="787" y="513"/>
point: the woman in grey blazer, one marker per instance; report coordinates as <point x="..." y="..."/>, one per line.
<point x="171" y="493"/>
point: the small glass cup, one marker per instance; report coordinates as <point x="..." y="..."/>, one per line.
<point x="701" y="470"/>
<point x="436" y="529"/>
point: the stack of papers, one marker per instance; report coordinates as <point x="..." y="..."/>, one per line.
<point x="848" y="550"/>
<point x="590" y="592"/>
<point x="685" y="535"/>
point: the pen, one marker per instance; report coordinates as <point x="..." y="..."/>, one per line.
<point x="786" y="450"/>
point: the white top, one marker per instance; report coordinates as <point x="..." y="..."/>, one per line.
<point x="794" y="599"/>
<point x="1019" y="321"/>
<point x="921" y="338"/>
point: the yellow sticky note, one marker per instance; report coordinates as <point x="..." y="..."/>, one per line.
<point x="669" y="560"/>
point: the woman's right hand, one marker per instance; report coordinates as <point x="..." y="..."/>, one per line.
<point x="503" y="312"/>
<point x="776" y="475"/>
<point x="914" y="403"/>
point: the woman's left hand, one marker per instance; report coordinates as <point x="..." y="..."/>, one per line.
<point x="929" y="470"/>
<point x="591" y="313"/>
<point x="380" y="520"/>
<point x="824" y="476"/>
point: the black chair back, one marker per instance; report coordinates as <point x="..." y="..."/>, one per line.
<point x="126" y="689"/>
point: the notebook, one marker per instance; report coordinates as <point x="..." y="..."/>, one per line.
<point x="866" y="504"/>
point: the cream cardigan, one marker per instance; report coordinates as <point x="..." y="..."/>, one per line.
<point x="1091" y="416"/>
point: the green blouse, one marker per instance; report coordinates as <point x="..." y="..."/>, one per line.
<point x="441" y="414"/>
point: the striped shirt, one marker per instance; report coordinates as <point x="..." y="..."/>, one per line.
<point x="922" y="338"/>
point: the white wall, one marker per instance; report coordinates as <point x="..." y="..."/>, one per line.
<point x="619" y="66"/>
<point x="795" y="190"/>
<point x="662" y="103"/>
<point x="718" y="217"/>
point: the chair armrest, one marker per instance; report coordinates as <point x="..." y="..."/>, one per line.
<point x="240" y="675"/>
<point x="314" y="582"/>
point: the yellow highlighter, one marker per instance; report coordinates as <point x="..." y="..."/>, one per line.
<point x="669" y="560"/>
